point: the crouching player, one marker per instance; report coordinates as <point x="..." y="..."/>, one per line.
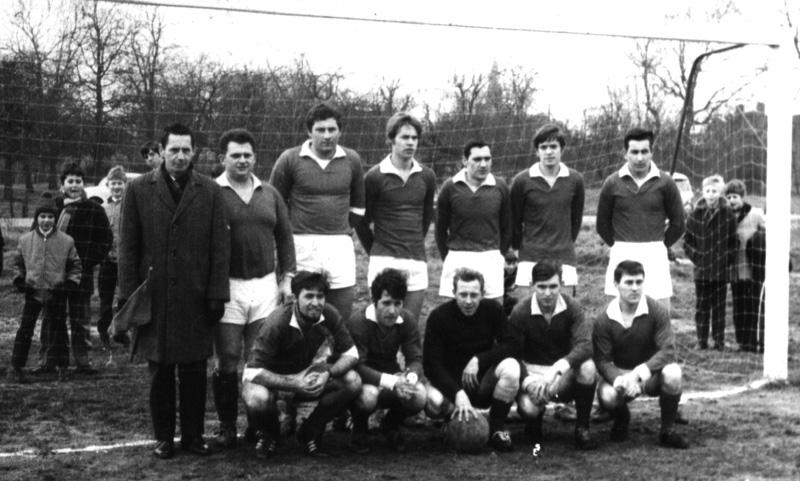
<point x="634" y="353"/>
<point x="291" y="357"/>
<point x="555" y="347"/>
<point x="467" y="356"/>
<point x="379" y="331"/>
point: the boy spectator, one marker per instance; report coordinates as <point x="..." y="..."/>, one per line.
<point x="107" y="276"/>
<point x="710" y="243"/>
<point x="380" y="331"/>
<point x="745" y="287"/>
<point x="46" y="265"/>
<point x="150" y="154"/>
<point x="86" y="222"/>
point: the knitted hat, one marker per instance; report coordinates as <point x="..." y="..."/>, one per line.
<point x="46" y="204"/>
<point x="116" y="173"/>
<point x="736" y="186"/>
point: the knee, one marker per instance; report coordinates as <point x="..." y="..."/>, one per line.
<point x="418" y="399"/>
<point x="587" y="373"/>
<point x="227" y="362"/>
<point x="257" y="398"/>
<point x="508" y="371"/>
<point x="608" y="396"/>
<point x="352" y="382"/>
<point x="526" y="408"/>
<point x="436" y="405"/>
<point x="672" y="379"/>
<point x="367" y="400"/>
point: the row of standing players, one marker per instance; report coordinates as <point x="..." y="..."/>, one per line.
<point x="173" y="217"/>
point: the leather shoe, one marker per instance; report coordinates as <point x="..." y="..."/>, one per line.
<point x="164" y="449"/>
<point x="196" y="446"/>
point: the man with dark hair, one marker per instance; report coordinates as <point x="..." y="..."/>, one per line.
<point x="634" y="351"/>
<point x="554" y="344"/>
<point x="259" y="229"/>
<point x="547" y="209"/>
<point x="468" y="358"/>
<point x="399" y="209"/>
<point x="635" y="204"/>
<point x="86" y="222"/>
<point x="175" y="236"/>
<point x="322" y="183"/>
<point x="302" y="352"/>
<point x="380" y="331"/>
<point x="473" y="222"/>
<point x="150" y="155"/>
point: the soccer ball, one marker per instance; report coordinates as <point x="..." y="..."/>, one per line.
<point x="467" y="436"/>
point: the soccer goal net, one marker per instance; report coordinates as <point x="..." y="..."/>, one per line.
<point x="57" y="110"/>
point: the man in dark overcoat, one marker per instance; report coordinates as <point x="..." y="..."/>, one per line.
<point x="175" y="227"/>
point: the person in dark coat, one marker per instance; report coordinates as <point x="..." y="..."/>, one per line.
<point x="710" y="242"/>
<point x="175" y="233"/>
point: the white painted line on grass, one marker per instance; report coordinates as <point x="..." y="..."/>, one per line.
<point x="33" y="453"/>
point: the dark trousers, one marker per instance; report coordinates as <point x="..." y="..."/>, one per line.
<point x="746" y="304"/>
<point x="192" y="399"/>
<point x="710" y="305"/>
<point x="106" y="285"/>
<point x="54" y="317"/>
<point x="78" y="313"/>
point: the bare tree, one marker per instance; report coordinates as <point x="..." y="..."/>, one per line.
<point x="46" y="38"/>
<point x="105" y="44"/>
<point x="389" y="100"/>
<point x="520" y="90"/>
<point x="145" y="66"/>
<point x="467" y="95"/>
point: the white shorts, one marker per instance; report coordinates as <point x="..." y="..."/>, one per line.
<point x="417" y="271"/>
<point x="251" y="300"/>
<point x="488" y="263"/>
<point x="331" y="253"/>
<point x="653" y="256"/>
<point x="569" y="274"/>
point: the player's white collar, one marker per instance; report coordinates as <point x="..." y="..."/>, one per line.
<point x="614" y="312"/>
<point x="293" y="322"/>
<point x="461" y="176"/>
<point x="307" y="151"/>
<point x="223" y="181"/>
<point x="536" y="170"/>
<point x="561" y="306"/>
<point x="654" y="172"/>
<point x="387" y="167"/>
<point x="370" y="315"/>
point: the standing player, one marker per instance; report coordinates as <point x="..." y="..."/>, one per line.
<point x="634" y="350"/>
<point x="380" y="331"/>
<point x="468" y="358"/>
<point x="555" y="347"/>
<point x="323" y="186"/>
<point x="399" y="209"/>
<point x="547" y="209"/>
<point x="473" y="222"/>
<point x="640" y="215"/>
<point x="303" y="351"/>
<point x="259" y="229"/>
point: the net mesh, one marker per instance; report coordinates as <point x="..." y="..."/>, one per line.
<point x="48" y="121"/>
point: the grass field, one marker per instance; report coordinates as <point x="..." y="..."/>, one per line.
<point x="753" y="435"/>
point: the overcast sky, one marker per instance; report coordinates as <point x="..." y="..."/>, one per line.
<point x="573" y="72"/>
